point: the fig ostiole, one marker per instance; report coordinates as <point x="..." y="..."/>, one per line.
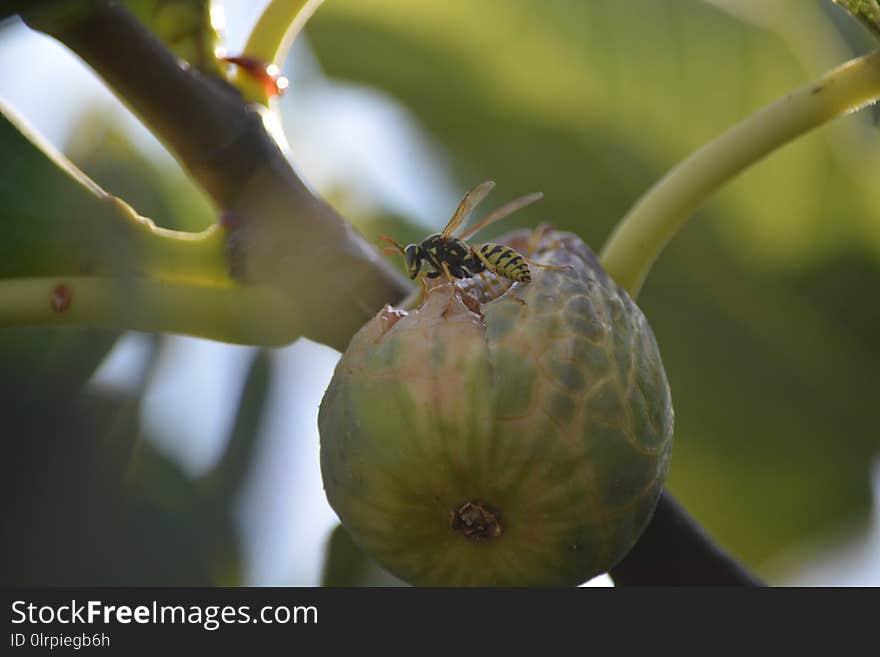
<point x="501" y="434"/>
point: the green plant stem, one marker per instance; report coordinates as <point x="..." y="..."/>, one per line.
<point x="164" y="281"/>
<point x="642" y="234"/>
<point x="277" y="27"/>
<point x="228" y="313"/>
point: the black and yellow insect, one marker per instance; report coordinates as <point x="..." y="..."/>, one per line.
<point x="448" y="254"/>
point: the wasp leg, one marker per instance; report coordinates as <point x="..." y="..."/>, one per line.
<point x="448" y="274"/>
<point x="493" y="286"/>
<point x="449" y="277"/>
<point x="488" y="286"/>
<point x="538" y="264"/>
<point x="452" y="286"/>
<point x="538" y="235"/>
<point x="488" y="265"/>
<point x="424" y="286"/>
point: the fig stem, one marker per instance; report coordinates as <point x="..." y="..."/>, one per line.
<point x="657" y="216"/>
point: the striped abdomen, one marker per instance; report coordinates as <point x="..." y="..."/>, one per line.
<point x="506" y="262"/>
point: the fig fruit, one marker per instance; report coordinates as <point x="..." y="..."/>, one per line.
<point x="501" y="437"/>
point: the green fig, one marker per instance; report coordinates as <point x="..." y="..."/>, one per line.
<point x="513" y="436"/>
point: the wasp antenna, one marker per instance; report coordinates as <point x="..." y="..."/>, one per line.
<point x="393" y="242"/>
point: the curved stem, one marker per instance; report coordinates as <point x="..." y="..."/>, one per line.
<point x="674" y="550"/>
<point x="229" y="313"/>
<point x="277" y="27"/>
<point x="643" y="233"/>
<point x="270" y="40"/>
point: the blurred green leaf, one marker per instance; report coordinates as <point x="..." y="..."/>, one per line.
<point x="174" y="533"/>
<point x="55" y="220"/>
<point x="46" y="364"/>
<point x="158" y="188"/>
<point x="96" y="504"/>
<point x="64" y="454"/>
<point x="40" y="194"/>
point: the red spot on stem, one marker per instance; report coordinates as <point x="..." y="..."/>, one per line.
<point x="273" y="82"/>
<point x="60" y="298"/>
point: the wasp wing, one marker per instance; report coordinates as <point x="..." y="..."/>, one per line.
<point x="504" y="211"/>
<point x="467" y="205"/>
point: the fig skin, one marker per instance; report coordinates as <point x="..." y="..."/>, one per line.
<point x="501" y="443"/>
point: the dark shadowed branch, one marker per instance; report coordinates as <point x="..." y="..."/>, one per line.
<point x="675" y="551"/>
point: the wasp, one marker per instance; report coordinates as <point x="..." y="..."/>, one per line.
<point x="447" y="254"/>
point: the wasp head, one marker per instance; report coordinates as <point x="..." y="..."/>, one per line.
<point x="414" y="256"/>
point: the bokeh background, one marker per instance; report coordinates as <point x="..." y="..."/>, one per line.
<point x="142" y="459"/>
